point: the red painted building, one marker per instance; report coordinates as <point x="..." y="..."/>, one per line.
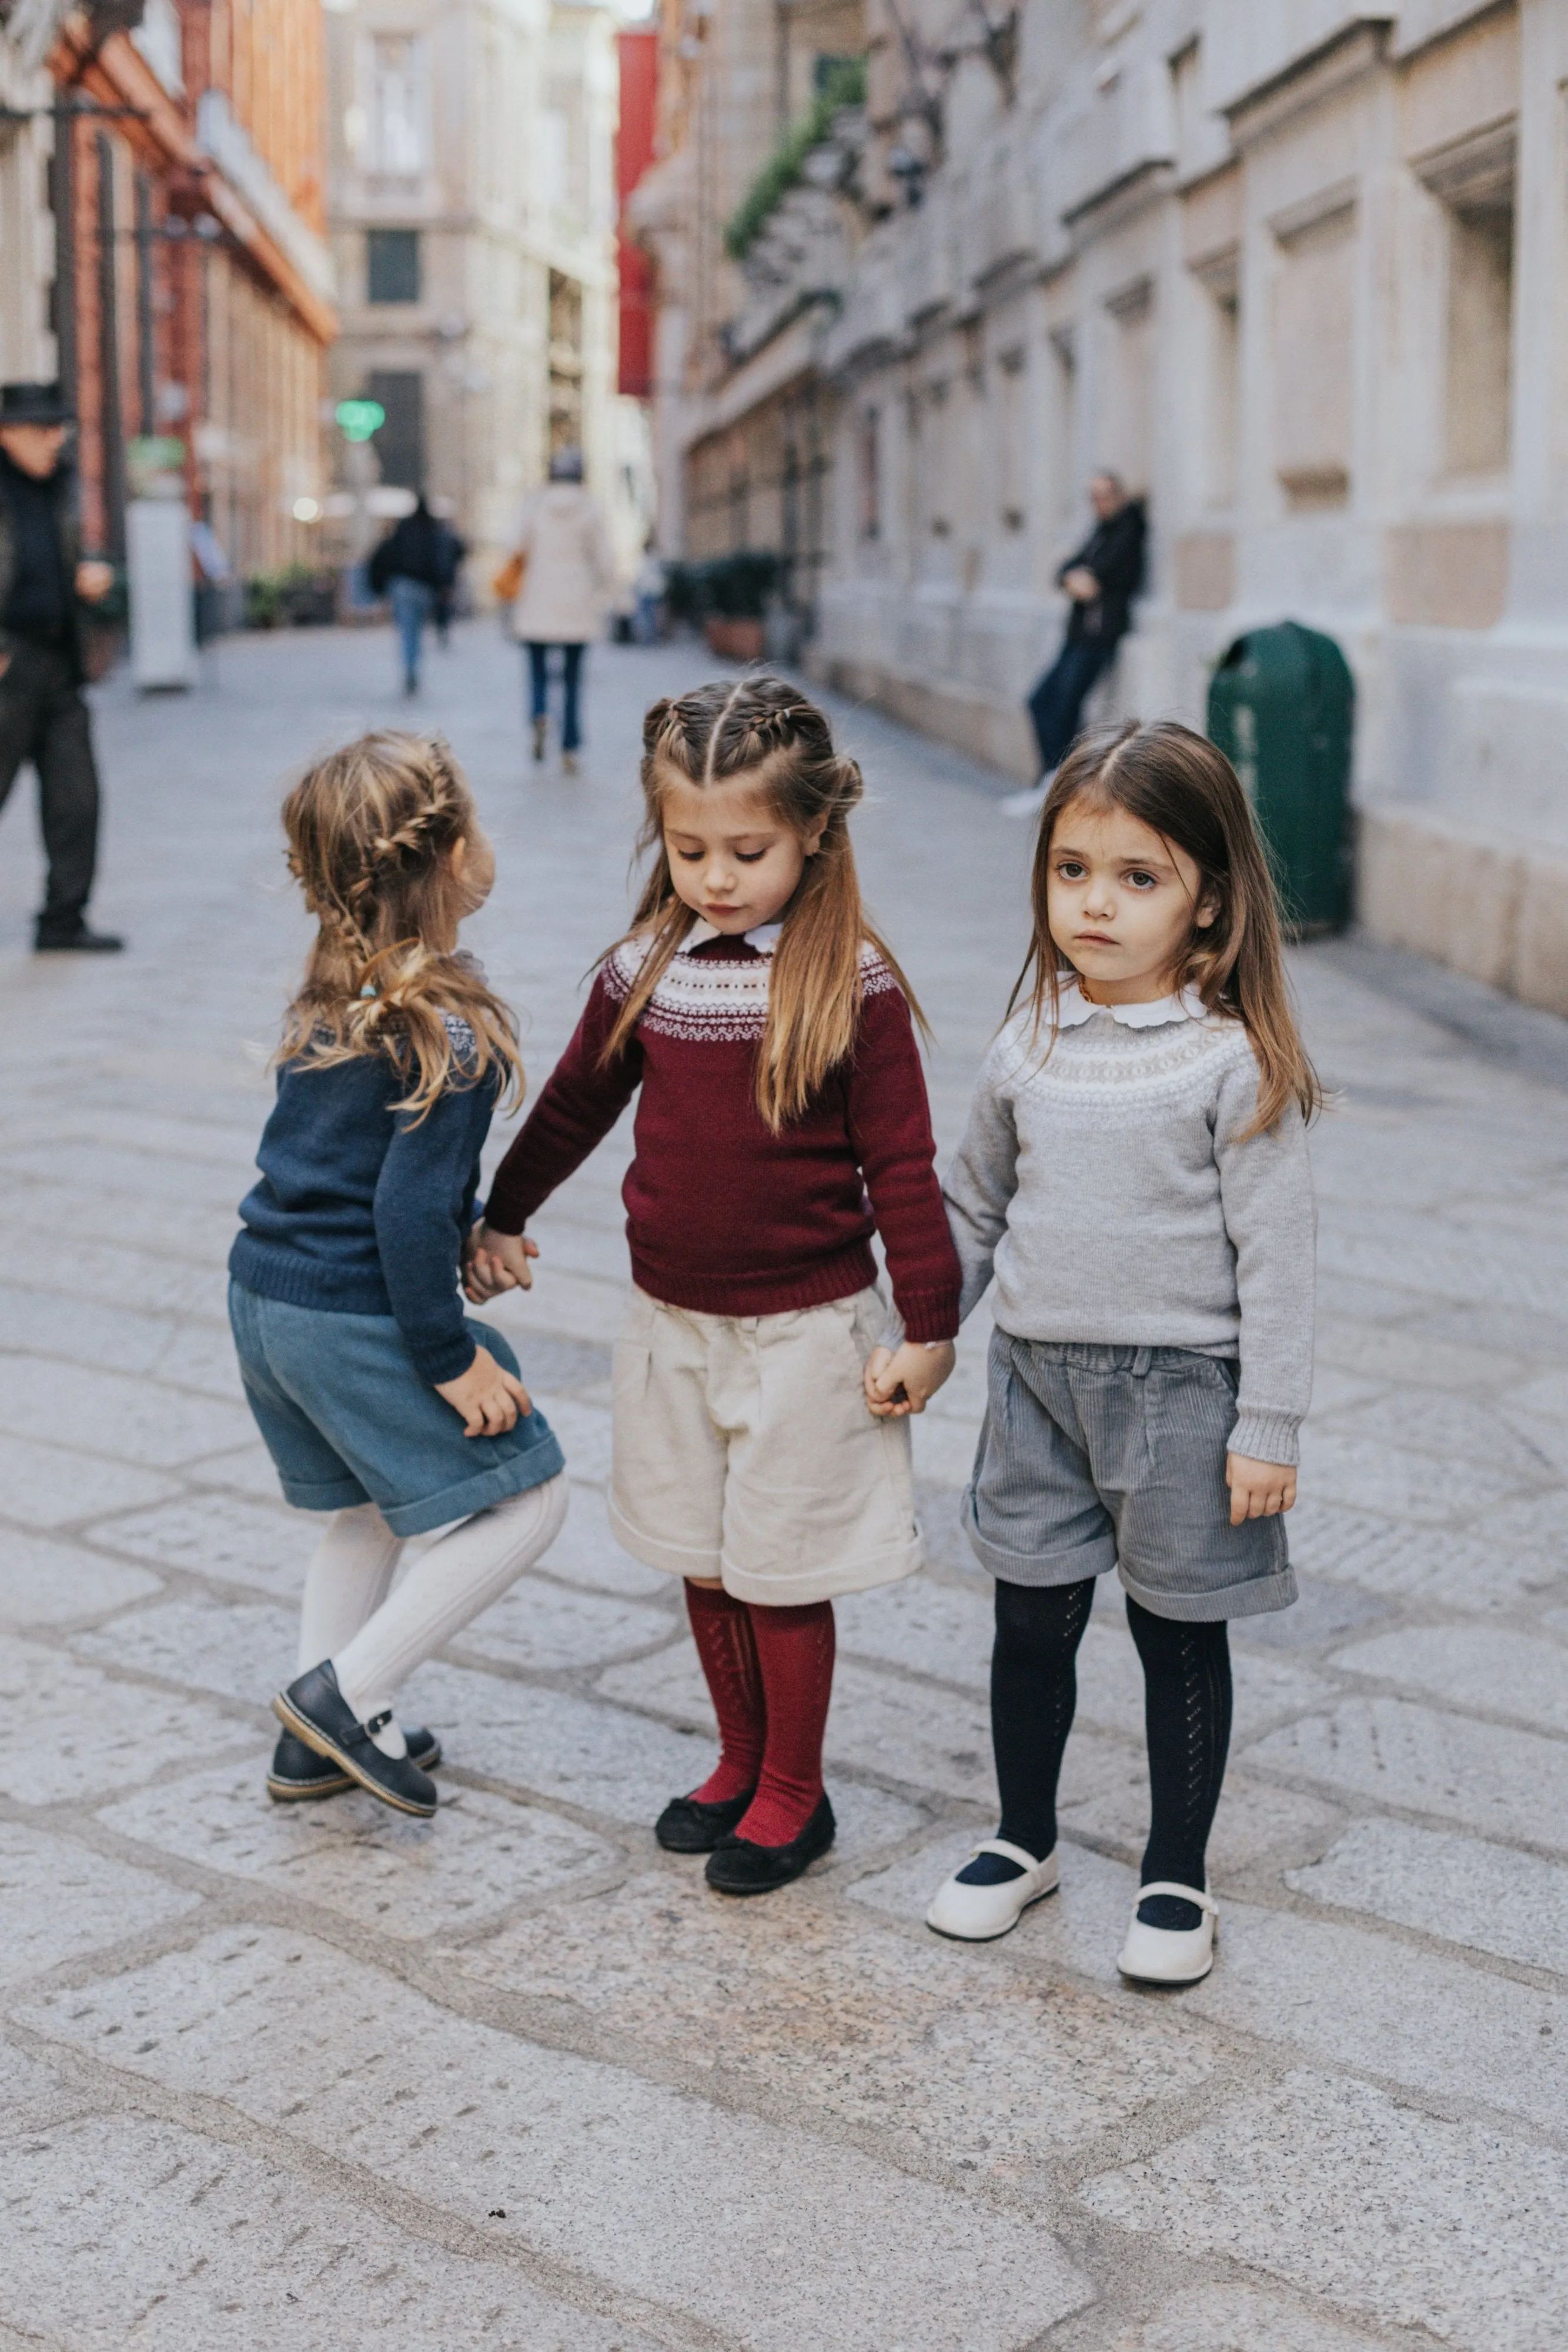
<point x="638" y="54"/>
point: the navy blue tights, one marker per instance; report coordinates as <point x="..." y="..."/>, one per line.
<point x="1186" y="1715"/>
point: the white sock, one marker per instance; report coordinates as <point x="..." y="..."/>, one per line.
<point x="456" y="1578"/>
<point x="345" y="1582"/>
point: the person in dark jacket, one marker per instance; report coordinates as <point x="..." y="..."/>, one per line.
<point x="44" y="583"/>
<point x="1101" y="578"/>
<point x="416" y="565"/>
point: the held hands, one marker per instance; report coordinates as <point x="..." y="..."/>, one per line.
<point x="1257" y="1489"/>
<point x="488" y="1399"/>
<point x="492" y="1263"/>
<point x="906" y="1381"/>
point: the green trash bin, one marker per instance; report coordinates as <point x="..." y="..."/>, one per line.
<point x="1281" y="706"/>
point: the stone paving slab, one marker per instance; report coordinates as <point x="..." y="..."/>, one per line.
<point x="1336" y="2189"/>
<point x="59" y="1899"/>
<point x="943" y="2047"/>
<point x="74" y="1733"/>
<point x="123" y="2230"/>
<point x="647" y="2190"/>
<point x="1487" y="1775"/>
<point x="407" y="1878"/>
<point x="46" y="1583"/>
<point x="1460" y="1888"/>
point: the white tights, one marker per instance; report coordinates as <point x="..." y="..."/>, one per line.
<point x="373" y="1643"/>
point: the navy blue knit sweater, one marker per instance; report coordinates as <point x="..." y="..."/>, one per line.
<point x="361" y="1211"/>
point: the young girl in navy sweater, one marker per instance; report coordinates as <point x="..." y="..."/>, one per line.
<point x="782" y="1119"/>
<point x="381" y="1404"/>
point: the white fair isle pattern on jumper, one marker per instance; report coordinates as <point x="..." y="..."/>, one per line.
<point x="1108" y="1179"/>
<point x="716" y="1002"/>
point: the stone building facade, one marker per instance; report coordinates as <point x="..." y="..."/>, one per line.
<point x="1299" y="273"/>
<point x="474" y="216"/>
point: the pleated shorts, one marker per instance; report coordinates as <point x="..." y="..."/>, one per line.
<point x="1093" y="1459"/>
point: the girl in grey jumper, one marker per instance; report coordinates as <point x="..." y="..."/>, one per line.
<point x="1135" y="1177"/>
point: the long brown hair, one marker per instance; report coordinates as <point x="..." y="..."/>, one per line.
<point x="371" y="831"/>
<point x="1184" y="789"/>
<point x="763" y="730"/>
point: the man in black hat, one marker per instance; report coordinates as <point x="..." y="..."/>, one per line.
<point x="43" y="585"/>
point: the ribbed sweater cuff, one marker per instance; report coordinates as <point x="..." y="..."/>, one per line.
<point x="448" y="1359"/>
<point x="929" y="1314"/>
<point x="1265" y="1436"/>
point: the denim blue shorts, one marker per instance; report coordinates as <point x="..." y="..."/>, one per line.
<point x="347" y="1419"/>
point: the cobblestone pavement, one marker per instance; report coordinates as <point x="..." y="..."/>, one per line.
<point x="293" y="2079"/>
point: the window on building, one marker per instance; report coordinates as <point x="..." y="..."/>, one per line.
<point x="391" y="265"/>
<point x="565" y="361"/>
<point x="1218" y="283"/>
<point x="1473" y="182"/>
<point x="397" y="107"/>
<point x="1313" y="355"/>
<point x="400" y="443"/>
<point x="1126" y="428"/>
<point x="1062" y="421"/>
<point x="1012" y="452"/>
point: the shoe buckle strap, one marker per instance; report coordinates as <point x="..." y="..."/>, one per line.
<point x="1185" y="1893"/>
<point x="377" y="1722"/>
<point x="1009" y="1852"/>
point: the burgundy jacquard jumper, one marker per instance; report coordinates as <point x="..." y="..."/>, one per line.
<point x="723" y="1217"/>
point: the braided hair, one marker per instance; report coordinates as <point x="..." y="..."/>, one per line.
<point x="764" y="730"/>
<point x="371" y="833"/>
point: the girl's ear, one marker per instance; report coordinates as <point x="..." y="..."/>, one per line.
<point x="811" y="841"/>
<point x="1208" y="912"/>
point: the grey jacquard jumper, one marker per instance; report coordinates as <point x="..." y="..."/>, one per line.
<point x="1105" y="1184"/>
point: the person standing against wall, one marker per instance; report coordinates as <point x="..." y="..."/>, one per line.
<point x="44" y="583"/>
<point x="1102" y="579"/>
<point x="568" y="578"/>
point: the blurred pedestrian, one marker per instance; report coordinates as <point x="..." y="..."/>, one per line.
<point x="1102" y="579"/>
<point x="568" y="578"/>
<point x="648" y="596"/>
<point x="453" y="550"/>
<point x="44" y="583"/>
<point x="383" y="1406"/>
<point x="412" y="564"/>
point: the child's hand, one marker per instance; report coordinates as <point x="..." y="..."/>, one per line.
<point x="492" y="1263"/>
<point x="906" y="1381"/>
<point x="1257" y="1489"/>
<point x="488" y="1399"/>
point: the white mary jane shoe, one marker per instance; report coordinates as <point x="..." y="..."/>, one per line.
<point x="1175" y="1955"/>
<point x="977" y="1915"/>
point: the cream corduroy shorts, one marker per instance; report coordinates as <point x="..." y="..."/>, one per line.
<point x="743" y="1450"/>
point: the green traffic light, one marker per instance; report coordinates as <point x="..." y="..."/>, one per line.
<point x="359" y="418"/>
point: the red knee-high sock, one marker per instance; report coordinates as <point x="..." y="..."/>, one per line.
<point x="721" y="1627"/>
<point x="795" y="1650"/>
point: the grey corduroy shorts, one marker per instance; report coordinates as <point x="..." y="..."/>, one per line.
<point x="1094" y="1457"/>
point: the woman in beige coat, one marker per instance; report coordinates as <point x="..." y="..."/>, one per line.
<point x="567" y="582"/>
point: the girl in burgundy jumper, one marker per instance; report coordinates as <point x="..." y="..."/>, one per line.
<point x="782" y="1120"/>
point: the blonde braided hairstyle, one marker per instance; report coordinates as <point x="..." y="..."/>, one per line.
<point x="764" y="732"/>
<point x="371" y="831"/>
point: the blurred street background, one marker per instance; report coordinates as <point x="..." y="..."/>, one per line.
<point x="846" y="325"/>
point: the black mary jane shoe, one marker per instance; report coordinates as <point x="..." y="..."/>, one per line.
<point x="315" y="1710"/>
<point x="688" y="1826"/>
<point x="735" y="1867"/>
<point x="298" y="1776"/>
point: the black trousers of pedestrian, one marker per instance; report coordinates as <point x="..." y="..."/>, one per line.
<point x="1056" y="703"/>
<point x="44" y="718"/>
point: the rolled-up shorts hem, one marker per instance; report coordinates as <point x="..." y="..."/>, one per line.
<point x="461" y="1501"/>
<point x="771" y="1588"/>
<point x="1037" y="1568"/>
<point x="332" y="1495"/>
<point x="1256" y="1596"/>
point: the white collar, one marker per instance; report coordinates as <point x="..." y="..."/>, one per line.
<point x="1073" y="1008"/>
<point x="764" y="939"/>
